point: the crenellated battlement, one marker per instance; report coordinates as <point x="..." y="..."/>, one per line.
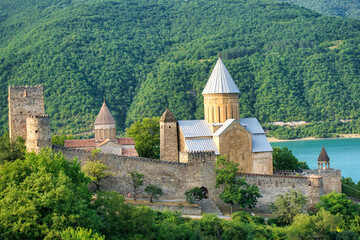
<point x="38" y="116"/>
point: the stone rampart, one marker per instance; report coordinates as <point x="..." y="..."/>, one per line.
<point x="272" y="185"/>
<point x="331" y="178"/>
<point x="174" y="178"/>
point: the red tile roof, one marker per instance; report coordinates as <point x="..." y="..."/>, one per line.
<point x="130" y="152"/>
<point x="80" y="143"/>
<point x="126" y="141"/>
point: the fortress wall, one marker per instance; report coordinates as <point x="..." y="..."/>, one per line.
<point x="331" y="178"/>
<point x="262" y="163"/>
<point x="173" y="177"/>
<point x="272" y="185"/>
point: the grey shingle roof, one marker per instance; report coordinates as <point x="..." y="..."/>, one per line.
<point x="225" y="125"/>
<point x="206" y="144"/>
<point x="194" y="128"/>
<point x="252" y="125"/>
<point x="220" y="81"/>
<point x="261" y="144"/>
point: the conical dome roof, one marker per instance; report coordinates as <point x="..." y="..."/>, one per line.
<point x="220" y="81"/>
<point x="104" y="117"/>
<point x="323" y="157"/>
<point x="167" y="116"/>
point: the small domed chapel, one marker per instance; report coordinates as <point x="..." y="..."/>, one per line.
<point x="222" y="131"/>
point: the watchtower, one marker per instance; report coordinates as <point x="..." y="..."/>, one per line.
<point x="23" y="101"/>
<point x="169" y="147"/>
<point x="38" y="133"/>
<point x="323" y="160"/>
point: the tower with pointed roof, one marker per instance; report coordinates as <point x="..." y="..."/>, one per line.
<point x="323" y="160"/>
<point x="104" y="125"/>
<point x="221" y="96"/>
<point x="169" y="147"/>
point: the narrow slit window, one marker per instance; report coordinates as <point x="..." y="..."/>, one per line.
<point x="219" y="114"/>
<point x="213" y="114"/>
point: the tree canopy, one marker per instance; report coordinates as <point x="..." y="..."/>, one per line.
<point x="289" y="63"/>
<point x="283" y="159"/>
<point x="42" y="195"/>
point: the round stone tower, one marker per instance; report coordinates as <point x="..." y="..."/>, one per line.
<point x="104" y="125"/>
<point x="37" y="133"/>
<point x="221" y="96"/>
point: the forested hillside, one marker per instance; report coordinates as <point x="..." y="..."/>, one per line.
<point x="145" y="55"/>
<point x="341" y="8"/>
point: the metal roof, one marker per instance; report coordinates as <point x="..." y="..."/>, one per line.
<point x="261" y="144"/>
<point x="195" y="128"/>
<point x="220" y="81"/>
<point x="206" y="144"/>
<point x="225" y="125"/>
<point x="252" y="125"/>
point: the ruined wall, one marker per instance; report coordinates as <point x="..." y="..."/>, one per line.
<point x="173" y="177"/>
<point x="262" y="163"/>
<point x="23" y="101"/>
<point x="272" y="185"/>
<point x="38" y="133"/>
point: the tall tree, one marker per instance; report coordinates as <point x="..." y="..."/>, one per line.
<point x="283" y="159"/>
<point x="11" y="150"/>
<point x="287" y="206"/>
<point x="236" y="191"/>
<point x="137" y="181"/>
<point x="43" y="195"/>
<point x="146" y="133"/>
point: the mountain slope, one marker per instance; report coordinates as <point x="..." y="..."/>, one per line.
<point x="143" y="56"/>
<point x="341" y="8"/>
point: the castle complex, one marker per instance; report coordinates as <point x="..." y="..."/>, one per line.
<point x="188" y="148"/>
<point x="222" y="131"/>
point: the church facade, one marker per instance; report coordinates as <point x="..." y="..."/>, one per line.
<point x="222" y="131"/>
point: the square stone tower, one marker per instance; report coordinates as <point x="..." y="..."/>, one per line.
<point x="23" y="101"/>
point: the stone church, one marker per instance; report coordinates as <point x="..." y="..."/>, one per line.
<point x="222" y="131"/>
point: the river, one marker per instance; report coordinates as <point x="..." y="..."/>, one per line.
<point x="344" y="153"/>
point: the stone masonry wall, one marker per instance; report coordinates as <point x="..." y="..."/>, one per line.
<point x="272" y="185"/>
<point x="169" y="148"/>
<point x="331" y="179"/>
<point x="38" y="133"/>
<point x="173" y="177"/>
<point x="23" y="101"/>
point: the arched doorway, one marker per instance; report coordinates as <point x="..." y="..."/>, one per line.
<point x="205" y="192"/>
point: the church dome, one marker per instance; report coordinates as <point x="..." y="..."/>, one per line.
<point x="220" y="81"/>
<point x="104" y="117"/>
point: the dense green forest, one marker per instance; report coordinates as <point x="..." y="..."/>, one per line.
<point x="342" y="8"/>
<point x="289" y="63"/>
<point x="324" y="129"/>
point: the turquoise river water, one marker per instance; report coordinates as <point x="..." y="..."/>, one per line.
<point x="344" y="154"/>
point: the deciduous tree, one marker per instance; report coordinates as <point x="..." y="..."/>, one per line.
<point x="153" y="191"/>
<point x="236" y="190"/>
<point x="146" y="134"/>
<point x="287" y="206"/>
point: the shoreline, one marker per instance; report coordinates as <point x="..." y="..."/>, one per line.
<point x="273" y="139"/>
